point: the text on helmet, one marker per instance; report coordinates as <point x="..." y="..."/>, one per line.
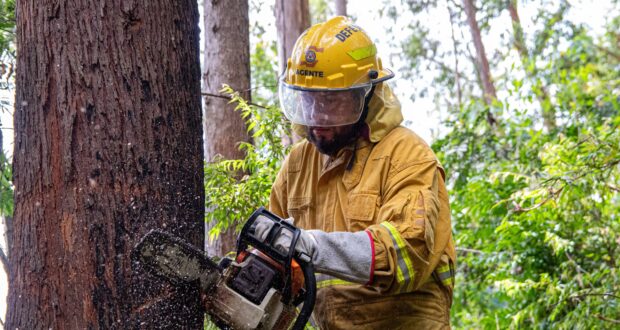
<point x="309" y="73"/>
<point x="347" y="32"/>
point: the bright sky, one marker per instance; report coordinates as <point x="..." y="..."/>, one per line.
<point x="423" y="119"/>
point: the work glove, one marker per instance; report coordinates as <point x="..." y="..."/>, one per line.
<point x="348" y="256"/>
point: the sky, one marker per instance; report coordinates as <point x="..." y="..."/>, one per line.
<point x="419" y="115"/>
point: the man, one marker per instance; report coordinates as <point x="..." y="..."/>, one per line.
<point x="369" y="193"/>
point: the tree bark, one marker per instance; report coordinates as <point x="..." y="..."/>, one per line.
<point x="107" y="146"/>
<point x="488" y="88"/>
<point x="341" y="7"/>
<point x="227" y="61"/>
<point x="292" y="18"/>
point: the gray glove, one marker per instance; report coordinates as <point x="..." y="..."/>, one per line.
<point x="348" y="256"/>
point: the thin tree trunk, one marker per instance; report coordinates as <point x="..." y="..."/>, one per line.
<point x="488" y="88"/>
<point x="457" y="74"/>
<point x="341" y="7"/>
<point x="107" y="146"/>
<point x="227" y="61"/>
<point x="547" y="109"/>
<point x="4" y="259"/>
<point x="292" y="19"/>
<point x="4" y="253"/>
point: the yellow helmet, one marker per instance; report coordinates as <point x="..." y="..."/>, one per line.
<point x="330" y="74"/>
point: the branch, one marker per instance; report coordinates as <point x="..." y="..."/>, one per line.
<point x="601" y="317"/>
<point x="608" y="52"/>
<point x="612" y="187"/>
<point x="579" y="269"/>
<point x="459" y="90"/>
<point x="5" y="261"/>
<point x="490" y="94"/>
<point x="605" y="294"/>
<point x="552" y="194"/>
<point x="466" y="250"/>
<point x="230" y="98"/>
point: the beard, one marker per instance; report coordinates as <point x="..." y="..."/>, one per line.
<point x="331" y="140"/>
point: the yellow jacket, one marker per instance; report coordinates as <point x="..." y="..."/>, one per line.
<point x="392" y="185"/>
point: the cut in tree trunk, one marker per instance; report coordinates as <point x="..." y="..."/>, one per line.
<point x="107" y="146"/>
<point x="227" y="61"/>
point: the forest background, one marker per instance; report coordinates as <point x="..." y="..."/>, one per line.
<point x="524" y="117"/>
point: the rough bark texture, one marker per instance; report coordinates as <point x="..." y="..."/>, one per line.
<point x="485" y="73"/>
<point x="292" y="18"/>
<point x="227" y="61"/>
<point x="341" y="7"/>
<point x="107" y="146"/>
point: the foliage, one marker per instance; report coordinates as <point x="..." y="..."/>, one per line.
<point x="535" y="211"/>
<point x="7" y="59"/>
<point x="264" y="66"/>
<point x="320" y="11"/>
<point x="235" y="188"/>
<point x="7" y="42"/>
<point x="6" y="187"/>
<point x="7" y="26"/>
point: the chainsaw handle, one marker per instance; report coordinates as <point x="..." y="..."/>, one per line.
<point x="310" y="295"/>
<point x="246" y="238"/>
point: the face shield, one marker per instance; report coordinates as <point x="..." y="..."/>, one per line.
<point x="323" y="107"/>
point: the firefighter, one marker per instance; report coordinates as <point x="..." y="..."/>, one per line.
<point x="368" y="193"/>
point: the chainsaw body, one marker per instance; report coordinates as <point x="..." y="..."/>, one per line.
<point x="260" y="289"/>
<point x="248" y="296"/>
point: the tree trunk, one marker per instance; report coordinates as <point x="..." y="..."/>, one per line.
<point x="547" y="109"/>
<point x="107" y="146"/>
<point x="6" y="220"/>
<point x="457" y="73"/>
<point x="292" y="18"/>
<point x="8" y="231"/>
<point x="227" y="61"/>
<point x="4" y="254"/>
<point x="341" y="7"/>
<point x="488" y="88"/>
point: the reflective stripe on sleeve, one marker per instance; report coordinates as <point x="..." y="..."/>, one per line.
<point x="323" y="281"/>
<point x="445" y="275"/>
<point x="404" y="271"/>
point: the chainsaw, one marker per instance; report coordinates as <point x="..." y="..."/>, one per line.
<point x="261" y="288"/>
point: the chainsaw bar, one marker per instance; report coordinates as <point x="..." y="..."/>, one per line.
<point x="176" y="261"/>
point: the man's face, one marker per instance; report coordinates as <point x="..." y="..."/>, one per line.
<point x="329" y="140"/>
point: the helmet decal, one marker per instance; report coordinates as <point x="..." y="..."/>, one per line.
<point x="310" y="56"/>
